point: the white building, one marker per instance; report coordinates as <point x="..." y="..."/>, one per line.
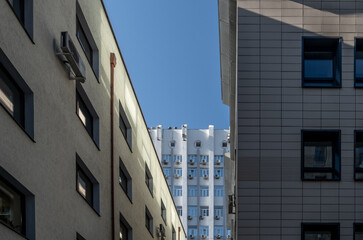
<point x="193" y="162"/>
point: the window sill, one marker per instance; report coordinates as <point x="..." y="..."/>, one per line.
<point x="12" y="229"/>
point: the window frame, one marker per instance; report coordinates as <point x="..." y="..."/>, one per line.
<point x="178" y="188"/>
<point x="27" y="121"/>
<point x="29" y="204"/>
<point x="149" y="221"/>
<point x="128" y="190"/>
<point x="322" y="135"/>
<point x="334" y="228"/>
<point x="320" y="82"/>
<point x="163" y="211"/>
<point x="81" y="95"/>
<point x="95" y="203"/>
<point x="127" y="226"/>
<point x="149" y="180"/>
<point x="358" y="81"/>
<point x="94" y="62"/>
<point x="27" y="21"/>
<point x="128" y="133"/>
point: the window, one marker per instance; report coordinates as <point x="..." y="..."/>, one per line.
<point x="125" y="179"/>
<point x="178" y="191"/>
<point x="192" y="211"/>
<point x="86" y="40"/>
<point x="23" y="10"/>
<point x="324" y="231"/>
<point x="204" y="173"/>
<point x="148" y="179"/>
<point x="320" y="152"/>
<point x="15" y="96"/>
<point x="219" y="231"/>
<point x="204" y="231"/>
<point x="166" y="158"/>
<point x="87" y="114"/>
<point x="218" y="173"/>
<point x="172" y="144"/>
<point x="204" y="211"/>
<point x="163" y="211"/>
<point x="79" y="237"/>
<point x="178" y="172"/>
<point x="218" y="191"/>
<point x="17" y="207"/>
<point x="358" y="231"/>
<point x="173" y="233"/>
<point x="204" y="191"/>
<point x="149" y="221"/>
<point x="321" y="66"/>
<point x="224" y="144"/>
<point x="358" y="156"/>
<point x="179" y="209"/>
<point x="192" y="172"/>
<point x="192" y="158"/>
<point x="167" y="172"/>
<point x="125" y="126"/>
<point x="218" y="212"/>
<point x="198" y="144"/>
<point x="178" y="159"/>
<point x="192" y="191"/>
<point x="204" y="159"/>
<point x="219" y="160"/>
<point x="192" y="232"/>
<point x="358" y="64"/>
<point x="87" y="185"/>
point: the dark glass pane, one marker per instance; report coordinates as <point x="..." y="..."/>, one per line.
<point x="11" y="97"/>
<point x="84" y="42"/>
<point x="315" y="235"/>
<point x="359" y="68"/>
<point x="123" y="232"/>
<point x="11" y="207"/>
<point x="18" y="7"/>
<point x="84" y="114"/>
<point x="318" y="154"/>
<point x="123" y="127"/>
<point x="358" y="236"/>
<point x="123" y="180"/>
<point x="84" y="186"/>
<point x="318" y="68"/>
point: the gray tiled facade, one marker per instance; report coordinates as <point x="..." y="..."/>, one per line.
<point x="272" y="108"/>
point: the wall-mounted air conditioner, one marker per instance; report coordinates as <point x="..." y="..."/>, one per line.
<point x="190" y="176"/>
<point x="217" y="176"/>
<point x="190" y="217"/>
<point x="177" y="162"/>
<point x="205" y="176"/>
<point x="176" y="175"/>
<point x="217" y="217"/>
<point x="218" y="236"/>
<point x="191" y="236"/>
<point x="191" y="161"/>
<point x="201" y="217"/>
<point x="204" y="162"/>
<point x="204" y="236"/>
<point x="165" y="162"/>
<point x="218" y="162"/>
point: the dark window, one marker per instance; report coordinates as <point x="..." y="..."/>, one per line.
<point x="148" y="179"/>
<point x="179" y="209"/>
<point x="87" y="114"/>
<point x="172" y="143"/>
<point x="224" y="144"/>
<point x="125" y="126"/>
<point x="163" y="211"/>
<point x="323" y="231"/>
<point x="149" y="221"/>
<point x="358" y="231"/>
<point x="87" y="185"/>
<point x="358" y="155"/>
<point x="17" y="207"/>
<point x="23" y="10"/>
<point x="173" y="234"/>
<point x="320" y="155"/>
<point x="86" y="40"/>
<point x="79" y="237"/>
<point x="198" y="144"/>
<point x="321" y="65"/>
<point x="358" y="64"/>
<point x="125" y="180"/>
<point x="125" y="229"/>
<point x="15" y="96"/>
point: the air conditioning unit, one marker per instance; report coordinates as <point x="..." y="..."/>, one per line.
<point x="217" y="176"/>
<point x="218" y="162"/>
<point x="201" y="217"/>
<point x="162" y="230"/>
<point x="228" y="236"/>
<point x="217" y="217"/>
<point x="218" y="236"/>
<point x="177" y="162"/>
<point x="190" y="176"/>
<point x="176" y="175"/>
<point x="191" y="161"/>
<point x="165" y="162"/>
<point x="166" y="176"/>
<point x="204" y="162"/>
<point x="191" y="236"/>
<point x="190" y="217"/>
<point x="205" y="176"/>
<point x="68" y="50"/>
<point x="204" y="236"/>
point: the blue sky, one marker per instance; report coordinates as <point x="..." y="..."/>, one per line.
<point x="171" y="50"/>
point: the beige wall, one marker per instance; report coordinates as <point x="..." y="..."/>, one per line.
<point x="47" y="166"/>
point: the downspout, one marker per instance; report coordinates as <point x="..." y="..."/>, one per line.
<point x="179" y="233"/>
<point x="113" y="65"/>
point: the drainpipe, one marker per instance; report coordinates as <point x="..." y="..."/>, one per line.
<point x="113" y="65"/>
<point x="179" y="233"/>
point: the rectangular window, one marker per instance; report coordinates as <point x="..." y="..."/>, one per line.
<point x="166" y="158"/>
<point x="178" y="159"/>
<point x="192" y="172"/>
<point x="358" y="155"/>
<point x="204" y="159"/>
<point x="17" y="206"/>
<point x="178" y="172"/>
<point x="167" y="172"/>
<point x="358" y="231"/>
<point x="125" y="126"/>
<point x="321" y="66"/>
<point x="23" y="10"/>
<point x="87" y="185"/>
<point x="179" y="209"/>
<point x="192" y="158"/>
<point x="86" y="40"/>
<point x="204" y="173"/>
<point x="312" y="231"/>
<point x="87" y="114"/>
<point x="125" y="179"/>
<point x="219" y="160"/>
<point x="192" y="211"/>
<point x="163" y="211"/>
<point x="204" y="191"/>
<point x="218" y="212"/>
<point x="219" y="232"/>
<point x="320" y="152"/>
<point x="192" y="232"/>
<point x="15" y="96"/>
<point x="149" y="221"/>
<point x="178" y="191"/>
<point x="148" y="179"/>
<point x="358" y="63"/>
<point x="192" y="191"/>
<point x="204" y="231"/>
<point x="218" y="173"/>
<point x="204" y="211"/>
<point x="218" y="191"/>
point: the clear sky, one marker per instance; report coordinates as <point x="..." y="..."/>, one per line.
<point x="171" y="50"/>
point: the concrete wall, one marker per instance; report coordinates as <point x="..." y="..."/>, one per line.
<point x="273" y="201"/>
<point x="47" y="165"/>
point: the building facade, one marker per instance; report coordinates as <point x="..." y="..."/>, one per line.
<point x="193" y="161"/>
<point x="291" y="73"/>
<point x="77" y="161"/>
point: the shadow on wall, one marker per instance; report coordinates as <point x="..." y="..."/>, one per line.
<point x="336" y="7"/>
